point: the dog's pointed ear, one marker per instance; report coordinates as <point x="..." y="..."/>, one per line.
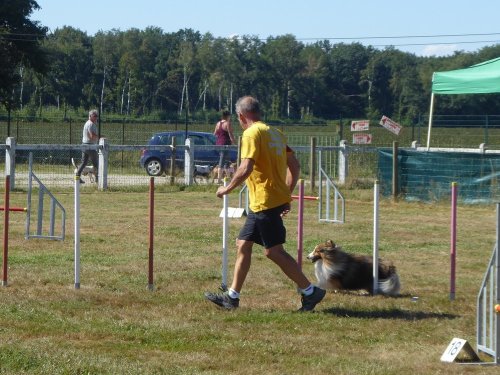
<point x="330" y="244"/>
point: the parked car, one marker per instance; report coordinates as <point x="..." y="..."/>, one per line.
<point x="156" y="162"/>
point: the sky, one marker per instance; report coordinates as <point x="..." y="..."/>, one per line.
<point x="424" y="27"/>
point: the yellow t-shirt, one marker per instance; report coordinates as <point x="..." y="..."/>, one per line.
<point x="266" y="146"/>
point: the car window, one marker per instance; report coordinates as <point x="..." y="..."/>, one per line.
<point x="180" y="139"/>
<point x="164" y="140"/>
<point x="198" y="139"/>
<point x="210" y="139"/>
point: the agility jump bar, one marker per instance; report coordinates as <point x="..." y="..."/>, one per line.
<point x="15" y="209"/>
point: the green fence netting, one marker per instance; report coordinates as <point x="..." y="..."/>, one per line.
<point x="427" y="175"/>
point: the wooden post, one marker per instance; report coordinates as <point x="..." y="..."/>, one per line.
<point x="395" y="176"/>
<point x="312" y="164"/>
<point x="172" y="162"/>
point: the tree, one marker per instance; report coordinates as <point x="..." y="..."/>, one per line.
<point x="105" y="48"/>
<point x="20" y="46"/>
<point x="282" y="54"/>
<point x="70" y="52"/>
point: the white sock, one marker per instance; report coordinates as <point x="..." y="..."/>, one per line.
<point x="233" y="293"/>
<point x="307" y="291"/>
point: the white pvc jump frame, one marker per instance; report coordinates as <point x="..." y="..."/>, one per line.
<point x="338" y="198"/>
<point x="54" y="203"/>
<point x="488" y="322"/>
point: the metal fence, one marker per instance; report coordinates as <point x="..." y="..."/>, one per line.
<point x="448" y="130"/>
<point x="52" y="163"/>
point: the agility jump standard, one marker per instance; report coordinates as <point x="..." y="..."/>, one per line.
<point x="453" y="239"/>
<point x="6" y="209"/>
<point x="376" y="189"/>
<point x="77" y="232"/>
<point x="151" y="231"/>
<point x="225" y="232"/>
<point x="300" y="221"/>
<point x="6" y="231"/>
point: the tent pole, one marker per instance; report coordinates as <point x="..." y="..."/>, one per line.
<point x="430" y="122"/>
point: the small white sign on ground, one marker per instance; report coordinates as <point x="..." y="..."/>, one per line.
<point x="390" y="125"/>
<point x="459" y="346"/>
<point x="360" y="125"/>
<point x="233" y="212"/>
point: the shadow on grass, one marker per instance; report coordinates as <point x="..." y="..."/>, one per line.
<point x="386" y="314"/>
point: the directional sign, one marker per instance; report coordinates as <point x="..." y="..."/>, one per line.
<point x="360" y="125"/>
<point x="361" y="139"/>
<point x="390" y="125"/>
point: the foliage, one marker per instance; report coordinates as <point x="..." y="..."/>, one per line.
<point x="20" y="46"/>
<point x="141" y="73"/>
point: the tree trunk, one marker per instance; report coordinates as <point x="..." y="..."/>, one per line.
<point x="123" y="94"/>
<point x="220" y="97"/>
<point x="128" y="95"/>
<point x="21" y="71"/>
<point x="231" y="99"/>
<point x="102" y="89"/>
<point x="288" y="94"/>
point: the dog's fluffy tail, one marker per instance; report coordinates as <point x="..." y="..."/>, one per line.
<point x="390" y="286"/>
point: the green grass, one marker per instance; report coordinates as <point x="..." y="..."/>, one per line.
<point x="113" y="325"/>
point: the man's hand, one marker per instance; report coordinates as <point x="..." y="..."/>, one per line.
<point x="221" y="191"/>
<point x="286" y="209"/>
<point x="240" y="175"/>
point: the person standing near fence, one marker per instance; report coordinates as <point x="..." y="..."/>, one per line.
<point x="223" y="136"/>
<point x="271" y="171"/>
<point x="89" y="137"/>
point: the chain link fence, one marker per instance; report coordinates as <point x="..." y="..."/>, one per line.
<point x="124" y="168"/>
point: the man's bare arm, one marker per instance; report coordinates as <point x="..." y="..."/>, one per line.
<point x="292" y="173"/>
<point x="241" y="174"/>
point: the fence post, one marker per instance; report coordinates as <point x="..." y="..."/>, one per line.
<point x="10" y="160"/>
<point x="312" y="164"/>
<point x="343" y="162"/>
<point x="189" y="162"/>
<point x="173" y="154"/>
<point x="103" y="164"/>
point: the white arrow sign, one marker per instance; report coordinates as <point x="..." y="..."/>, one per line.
<point x="360" y="125"/>
<point x="361" y="139"/>
<point x="390" y="125"/>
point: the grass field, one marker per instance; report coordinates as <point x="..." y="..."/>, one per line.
<point x="114" y="325"/>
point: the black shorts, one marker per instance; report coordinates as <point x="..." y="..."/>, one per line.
<point x="265" y="228"/>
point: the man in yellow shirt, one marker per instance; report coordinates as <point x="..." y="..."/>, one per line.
<point x="271" y="171"/>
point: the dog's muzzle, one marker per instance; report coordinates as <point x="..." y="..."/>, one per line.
<point x="313" y="257"/>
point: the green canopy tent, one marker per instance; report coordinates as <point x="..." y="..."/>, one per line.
<point x="482" y="78"/>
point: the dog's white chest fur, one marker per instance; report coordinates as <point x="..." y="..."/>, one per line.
<point x="322" y="272"/>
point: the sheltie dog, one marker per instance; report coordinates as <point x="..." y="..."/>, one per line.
<point x="88" y="170"/>
<point x="338" y="270"/>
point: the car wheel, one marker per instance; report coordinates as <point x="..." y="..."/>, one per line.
<point x="154" y="168"/>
